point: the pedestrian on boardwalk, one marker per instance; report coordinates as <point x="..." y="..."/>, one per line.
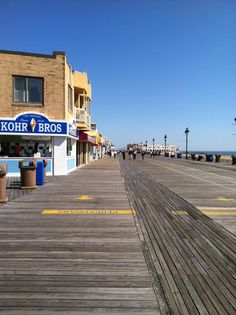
<point x="115" y="154"/>
<point x="130" y="154"/>
<point x="134" y="154"/>
<point x="123" y="153"/>
<point x="143" y="153"/>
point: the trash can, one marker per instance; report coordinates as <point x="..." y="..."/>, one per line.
<point x="209" y="157"/>
<point x="40" y="173"/>
<point x="179" y="155"/>
<point x="233" y="159"/>
<point x="28" y="174"/>
<point x="3" y="183"/>
<point x="166" y="154"/>
<point x="217" y="160"/>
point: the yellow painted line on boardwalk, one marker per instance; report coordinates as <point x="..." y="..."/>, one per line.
<point x="84" y="197"/>
<point x="212" y="212"/>
<point x="218" y="210"/>
<point x="224" y="199"/>
<point x="87" y="211"/>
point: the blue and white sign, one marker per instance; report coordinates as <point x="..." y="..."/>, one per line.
<point x="72" y="129"/>
<point x="32" y="123"/>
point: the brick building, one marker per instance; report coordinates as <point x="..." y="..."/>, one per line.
<point x="44" y="107"/>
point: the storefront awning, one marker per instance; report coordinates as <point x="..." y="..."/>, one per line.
<point x="84" y="137"/>
<point x="95" y="134"/>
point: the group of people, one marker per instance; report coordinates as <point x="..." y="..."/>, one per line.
<point x="133" y="154"/>
<point x="112" y="154"/>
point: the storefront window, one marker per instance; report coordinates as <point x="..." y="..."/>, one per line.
<point x="23" y="146"/>
<point x="69" y="147"/>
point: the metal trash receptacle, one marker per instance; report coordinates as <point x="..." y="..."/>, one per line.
<point x="209" y="157"/>
<point x="28" y="174"/>
<point x="217" y="158"/>
<point x="3" y="183"/>
<point x="179" y="155"/>
<point x="233" y="159"/>
<point x="40" y="173"/>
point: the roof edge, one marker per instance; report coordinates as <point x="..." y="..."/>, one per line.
<point x="23" y="53"/>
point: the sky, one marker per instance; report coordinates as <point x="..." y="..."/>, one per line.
<point x="156" y="66"/>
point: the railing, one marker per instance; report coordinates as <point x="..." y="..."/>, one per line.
<point x="80" y="116"/>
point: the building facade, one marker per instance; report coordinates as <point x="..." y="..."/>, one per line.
<point x="44" y="109"/>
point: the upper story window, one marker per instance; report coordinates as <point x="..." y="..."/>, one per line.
<point x="27" y="90"/>
<point x="70" y="99"/>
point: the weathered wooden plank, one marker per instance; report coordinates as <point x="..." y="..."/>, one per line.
<point x="79" y="264"/>
<point x="201" y="271"/>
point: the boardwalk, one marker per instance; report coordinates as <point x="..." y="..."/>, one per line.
<point x="208" y="186"/>
<point x="96" y="243"/>
<point x="192" y="258"/>
<point x="74" y="263"/>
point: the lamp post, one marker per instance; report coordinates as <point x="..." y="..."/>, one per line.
<point x="186" y="152"/>
<point x="146" y="145"/>
<point x="165" y="137"/>
<point x="153" y="140"/>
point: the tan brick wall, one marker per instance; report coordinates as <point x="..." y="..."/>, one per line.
<point x="69" y="81"/>
<point x="52" y="70"/>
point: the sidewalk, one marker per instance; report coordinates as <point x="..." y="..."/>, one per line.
<point x="64" y="250"/>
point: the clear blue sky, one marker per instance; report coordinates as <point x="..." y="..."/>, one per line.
<point x="156" y="66"/>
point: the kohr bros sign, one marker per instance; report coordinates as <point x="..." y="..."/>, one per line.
<point x="31" y="123"/>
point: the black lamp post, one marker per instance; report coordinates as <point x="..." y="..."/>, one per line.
<point x="153" y="140"/>
<point x="165" y="137"/>
<point x="146" y="145"/>
<point x="186" y="152"/>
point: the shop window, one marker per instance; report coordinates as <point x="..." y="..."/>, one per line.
<point x="27" y="90"/>
<point x="70" y="99"/>
<point x="69" y="147"/>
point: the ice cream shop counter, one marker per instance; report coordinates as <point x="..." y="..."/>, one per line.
<point x="13" y="165"/>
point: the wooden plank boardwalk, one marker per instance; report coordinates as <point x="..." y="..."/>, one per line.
<point x="14" y="190"/>
<point x="74" y="263"/>
<point x="192" y="258"/>
<point x="211" y="187"/>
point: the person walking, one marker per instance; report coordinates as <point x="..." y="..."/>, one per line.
<point x="130" y="153"/>
<point x="123" y="153"/>
<point x="143" y="153"/>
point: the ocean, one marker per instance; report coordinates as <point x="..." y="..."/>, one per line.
<point x="212" y="152"/>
